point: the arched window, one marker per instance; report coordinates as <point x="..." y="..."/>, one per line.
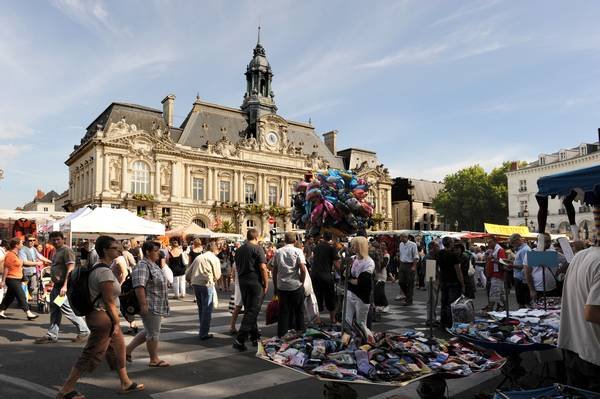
<point x="140" y="179"/>
<point x="199" y="222"/>
<point x="250" y="223"/>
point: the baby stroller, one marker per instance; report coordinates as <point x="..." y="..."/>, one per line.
<point x="45" y="285"/>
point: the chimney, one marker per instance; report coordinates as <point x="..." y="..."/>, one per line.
<point x="39" y="195"/>
<point x="168" y="103"/>
<point x="514" y="166"/>
<point x="330" y="138"/>
<point x="599" y="136"/>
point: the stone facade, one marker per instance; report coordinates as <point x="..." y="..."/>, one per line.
<point x="222" y="168"/>
<point x="412" y="205"/>
<point x="522" y="187"/>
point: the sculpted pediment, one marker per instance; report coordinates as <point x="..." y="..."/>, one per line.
<point x="138" y="141"/>
<point x="379" y="172"/>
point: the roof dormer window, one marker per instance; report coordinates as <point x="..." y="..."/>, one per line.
<point x="542" y="160"/>
<point x="583" y="149"/>
<point x="562" y="155"/>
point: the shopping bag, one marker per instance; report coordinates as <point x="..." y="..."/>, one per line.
<point x="312" y="308"/>
<point x="215" y="298"/>
<point x="168" y="274"/>
<point x="463" y="310"/>
<point x="273" y="310"/>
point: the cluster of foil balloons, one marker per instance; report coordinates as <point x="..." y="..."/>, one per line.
<point x="332" y="200"/>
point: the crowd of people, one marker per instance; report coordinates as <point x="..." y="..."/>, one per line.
<point x="308" y="278"/>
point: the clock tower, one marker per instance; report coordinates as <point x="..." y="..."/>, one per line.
<point x="259" y="96"/>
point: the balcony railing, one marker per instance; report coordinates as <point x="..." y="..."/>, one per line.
<point x="584" y="209"/>
<point x="562" y="211"/>
<point x="522" y="189"/>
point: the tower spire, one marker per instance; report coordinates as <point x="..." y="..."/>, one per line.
<point x="258" y="41"/>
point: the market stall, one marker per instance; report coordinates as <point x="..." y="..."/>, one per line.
<point x="15" y="223"/>
<point x="578" y="185"/>
<point x="91" y="222"/>
<point x="335" y="201"/>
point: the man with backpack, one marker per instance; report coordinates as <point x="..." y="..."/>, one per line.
<point x="63" y="263"/>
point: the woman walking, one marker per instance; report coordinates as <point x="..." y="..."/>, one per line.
<point x="177" y="264"/>
<point x="11" y="279"/>
<point x="360" y="285"/>
<point x="105" y="338"/>
<point x="151" y="291"/>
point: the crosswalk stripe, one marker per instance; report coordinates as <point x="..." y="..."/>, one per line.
<point x="28" y="385"/>
<point x="233" y="386"/>
<point x="185" y="357"/>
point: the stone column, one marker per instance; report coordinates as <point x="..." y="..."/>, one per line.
<point x="187" y="179"/>
<point x="91" y="183"/>
<point x="209" y="185"/>
<point x="241" y="188"/>
<point x="105" y="171"/>
<point x="124" y="174"/>
<point x="234" y="187"/>
<point x="175" y="186"/>
<point x="388" y="198"/>
<point x="157" y="179"/>
<point x="216" y="184"/>
<point x="259" y="189"/>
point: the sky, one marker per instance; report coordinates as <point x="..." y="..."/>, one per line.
<point x="431" y="86"/>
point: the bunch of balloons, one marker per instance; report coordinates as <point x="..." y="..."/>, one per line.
<point x="333" y="199"/>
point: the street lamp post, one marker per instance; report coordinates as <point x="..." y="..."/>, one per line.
<point x="526" y="215"/>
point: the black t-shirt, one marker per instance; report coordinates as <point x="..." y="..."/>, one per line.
<point x="324" y="255"/>
<point x="446" y="262"/>
<point x="248" y="258"/>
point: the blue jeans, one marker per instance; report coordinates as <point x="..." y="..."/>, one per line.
<point x="204" y="300"/>
<point x="56" y="313"/>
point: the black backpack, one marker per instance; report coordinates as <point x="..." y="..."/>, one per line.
<point x="128" y="300"/>
<point x="79" y="290"/>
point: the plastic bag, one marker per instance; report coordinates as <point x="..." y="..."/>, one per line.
<point x="168" y="274"/>
<point x="215" y="298"/>
<point x="463" y="310"/>
<point x="272" y="313"/>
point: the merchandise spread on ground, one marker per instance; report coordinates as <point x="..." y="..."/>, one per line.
<point x="393" y="358"/>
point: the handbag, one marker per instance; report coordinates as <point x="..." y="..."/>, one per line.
<point x="215" y="298"/>
<point x="272" y="313"/>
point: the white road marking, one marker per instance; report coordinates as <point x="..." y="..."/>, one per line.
<point x="31" y="386"/>
<point x="233" y="386"/>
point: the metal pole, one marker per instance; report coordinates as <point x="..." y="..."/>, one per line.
<point x="345" y="300"/>
<point x="430" y="308"/>
<point x="544" y="285"/>
<point x="506" y="292"/>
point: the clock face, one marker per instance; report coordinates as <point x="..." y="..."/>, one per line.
<point x="272" y="138"/>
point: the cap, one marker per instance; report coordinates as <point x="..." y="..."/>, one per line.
<point x="514" y="237"/>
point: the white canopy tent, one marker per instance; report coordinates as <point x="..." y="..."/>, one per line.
<point x="118" y="223"/>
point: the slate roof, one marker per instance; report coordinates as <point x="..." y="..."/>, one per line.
<point x="425" y="190"/>
<point x="210" y="122"/>
<point x="48" y="197"/>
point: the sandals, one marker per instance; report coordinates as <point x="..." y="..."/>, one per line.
<point x="134" y="387"/>
<point x="161" y="363"/>
<point x="70" y="395"/>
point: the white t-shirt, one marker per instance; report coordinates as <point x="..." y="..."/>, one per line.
<point x="581" y="287"/>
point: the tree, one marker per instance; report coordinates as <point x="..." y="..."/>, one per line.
<point x="473" y="197"/>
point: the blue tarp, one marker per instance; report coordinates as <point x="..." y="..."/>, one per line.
<point x="554" y="391"/>
<point x="586" y="182"/>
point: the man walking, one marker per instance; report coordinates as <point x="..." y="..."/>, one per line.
<point x="409" y="257"/>
<point x="32" y="261"/>
<point x="289" y="273"/>
<point x="63" y="263"/>
<point x="251" y="265"/>
<point x="203" y="274"/>
<point x="452" y="284"/>
<point x="325" y="258"/>
<point x="521" y="288"/>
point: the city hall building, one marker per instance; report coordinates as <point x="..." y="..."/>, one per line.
<point x="223" y="168"/>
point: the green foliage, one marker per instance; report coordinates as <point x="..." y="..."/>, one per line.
<point x="225" y="227"/>
<point x="473" y="197"/>
<point x="255" y="209"/>
<point x="278" y="211"/>
<point x="143" y="197"/>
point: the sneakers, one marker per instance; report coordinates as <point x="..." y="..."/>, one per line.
<point x="239" y="346"/>
<point x="45" y="340"/>
<point x="80" y="338"/>
<point x="400" y="298"/>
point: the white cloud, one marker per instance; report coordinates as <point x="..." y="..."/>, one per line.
<point x="13" y="130"/>
<point x="90" y="14"/>
<point x="483" y="37"/>
<point x="467" y="10"/>
<point x="11" y="152"/>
